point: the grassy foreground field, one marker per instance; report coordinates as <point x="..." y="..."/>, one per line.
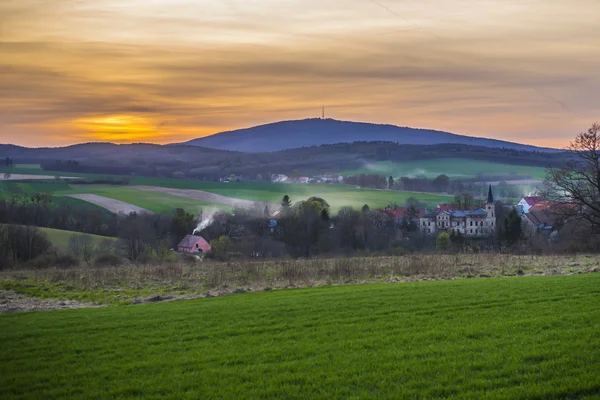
<point x="518" y="338"/>
<point x="452" y="167"/>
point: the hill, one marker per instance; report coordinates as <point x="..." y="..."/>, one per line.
<point x="313" y="132"/>
<point x="209" y="164"/>
<point x="530" y="337"/>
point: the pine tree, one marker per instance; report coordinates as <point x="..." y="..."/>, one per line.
<point x="513" y="230"/>
<point x="286" y="204"/>
<point x="390" y="182"/>
<point x="365" y="208"/>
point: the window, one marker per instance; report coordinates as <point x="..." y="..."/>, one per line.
<point x="471" y="225"/>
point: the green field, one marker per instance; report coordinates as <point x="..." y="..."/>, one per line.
<point x="337" y="195"/>
<point x="153" y="201"/>
<point x="513" y="338"/>
<point x="60" y="238"/>
<point x="452" y="167"/>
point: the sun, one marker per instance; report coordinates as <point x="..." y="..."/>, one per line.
<point x="118" y="128"/>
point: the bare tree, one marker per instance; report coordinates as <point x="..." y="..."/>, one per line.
<point x="577" y="183"/>
<point x="82" y="247"/>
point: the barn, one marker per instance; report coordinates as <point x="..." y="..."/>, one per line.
<point x="193" y="244"/>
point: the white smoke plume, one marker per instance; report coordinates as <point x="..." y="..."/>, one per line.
<point x="207" y="217"/>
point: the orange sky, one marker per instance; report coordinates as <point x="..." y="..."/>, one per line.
<point x="171" y="70"/>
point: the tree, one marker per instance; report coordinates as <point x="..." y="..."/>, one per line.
<point x="441" y="183"/>
<point x="512" y="228"/>
<point x="443" y="242"/>
<point x="266" y="212"/>
<point x="413" y="202"/>
<point x="390" y="182"/>
<point x="135" y="236"/>
<point x="82" y="247"/>
<point x="577" y="183"/>
<point x="182" y="223"/>
<point x="286" y="204"/>
<point x="365" y="208"/>
<point x="221" y="247"/>
<point x="464" y="201"/>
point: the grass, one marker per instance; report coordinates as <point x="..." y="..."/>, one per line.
<point x="153" y="201"/>
<point x="529" y="337"/>
<point x="337" y="195"/>
<point x="452" y="167"/>
<point x="60" y="238"/>
<point x="8" y="188"/>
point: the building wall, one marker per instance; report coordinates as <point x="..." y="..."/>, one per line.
<point x="468" y="226"/>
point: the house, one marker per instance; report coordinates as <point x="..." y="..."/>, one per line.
<point x="304" y="179"/>
<point x="472" y="223"/>
<point x="547" y="216"/>
<point x="193" y="244"/>
<point x="332" y="178"/>
<point x="525" y="204"/>
<point x="279" y="178"/>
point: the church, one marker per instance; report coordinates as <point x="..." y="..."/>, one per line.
<point x="471" y="223"/>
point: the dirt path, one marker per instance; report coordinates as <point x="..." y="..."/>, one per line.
<point x="209" y="197"/>
<point x="115" y="206"/>
<point x="15" y="302"/>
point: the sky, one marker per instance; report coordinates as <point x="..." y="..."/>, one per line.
<point x="166" y="71"/>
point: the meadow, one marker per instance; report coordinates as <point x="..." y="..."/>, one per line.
<point x="336" y="195"/>
<point x="452" y="167"/>
<point x="60" y="238"/>
<point x="517" y="338"/>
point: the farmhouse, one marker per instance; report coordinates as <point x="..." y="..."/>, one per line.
<point x="525" y="204"/>
<point x="548" y="216"/>
<point x="472" y="223"/>
<point x="193" y="244"/>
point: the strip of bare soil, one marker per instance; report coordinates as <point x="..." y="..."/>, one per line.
<point x="209" y="197"/>
<point x="115" y="206"/>
<point x="15" y="302"/>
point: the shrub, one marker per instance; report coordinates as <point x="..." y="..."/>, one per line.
<point x="65" y="260"/>
<point x="442" y="242"/>
<point x="107" y="259"/>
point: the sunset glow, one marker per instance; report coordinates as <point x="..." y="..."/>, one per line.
<point x="171" y="70"/>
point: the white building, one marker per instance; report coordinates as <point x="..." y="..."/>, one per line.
<point x="472" y="223"/>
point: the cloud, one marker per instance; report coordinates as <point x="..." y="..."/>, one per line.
<point x="505" y="70"/>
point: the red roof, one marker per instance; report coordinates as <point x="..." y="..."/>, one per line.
<point x="532" y="200"/>
<point x="399" y="212"/>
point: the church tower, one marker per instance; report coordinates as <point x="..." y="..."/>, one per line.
<point x="490" y="209"/>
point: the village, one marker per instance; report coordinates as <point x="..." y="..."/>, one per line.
<point x="539" y="218"/>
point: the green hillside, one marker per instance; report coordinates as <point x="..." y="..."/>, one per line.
<point x="517" y="338"/>
<point x="452" y="167"/>
<point x="60" y="238"/>
<point x="337" y="195"/>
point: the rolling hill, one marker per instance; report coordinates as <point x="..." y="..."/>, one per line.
<point x="314" y="132"/>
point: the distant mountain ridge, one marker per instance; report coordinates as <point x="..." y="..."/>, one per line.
<point x="286" y="135"/>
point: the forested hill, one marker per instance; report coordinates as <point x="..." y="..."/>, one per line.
<point x="314" y="132"/>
